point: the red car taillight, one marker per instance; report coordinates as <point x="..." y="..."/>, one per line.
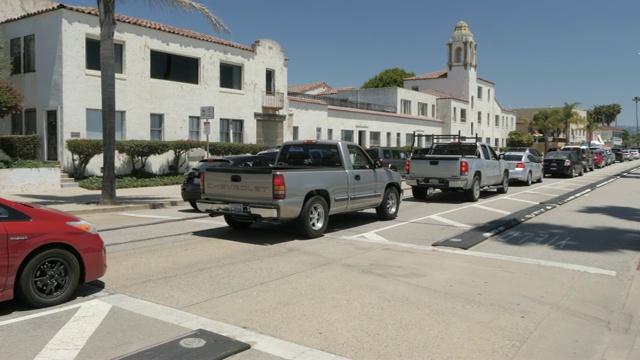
<point x="279" y="191"/>
<point x="520" y="166"/>
<point x="464" y="168"/>
<point x="567" y="162"/>
<point x="407" y="166"/>
<point x="202" y="182"/>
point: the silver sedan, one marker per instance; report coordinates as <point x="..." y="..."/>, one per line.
<point x="524" y="167"/>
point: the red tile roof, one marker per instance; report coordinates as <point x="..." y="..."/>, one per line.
<point x="442" y="74"/>
<point x="303" y="88"/>
<point x="139" y="22"/>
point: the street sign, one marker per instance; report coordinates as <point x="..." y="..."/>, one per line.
<point x="207" y="128"/>
<point x="206" y="112"/>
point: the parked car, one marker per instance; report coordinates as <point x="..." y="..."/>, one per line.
<point x="565" y="162"/>
<point x="190" y="188"/>
<point x="46" y="253"/>
<point x="584" y="154"/>
<point x="272" y="153"/>
<point x="524" y="166"/>
<point x="618" y="154"/>
<point x="611" y="158"/>
<point x="392" y="157"/>
<point x="635" y="154"/>
<point x="627" y="155"/>
<point x="599" y="159"/>
<point x="530" y="150"/>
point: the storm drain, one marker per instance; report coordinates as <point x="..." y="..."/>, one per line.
<point x="198" y="344"/>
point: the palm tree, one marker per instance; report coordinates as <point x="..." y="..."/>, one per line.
<point x="547" y="122"/>
<point x="107" y="12"/>
<point x="567" y="114"/>
<point x="636" y="99"/>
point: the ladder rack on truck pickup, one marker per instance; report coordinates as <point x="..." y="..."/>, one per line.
<point x="454" y="139"/>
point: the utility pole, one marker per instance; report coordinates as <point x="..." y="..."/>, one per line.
<point x="636" y="99"/>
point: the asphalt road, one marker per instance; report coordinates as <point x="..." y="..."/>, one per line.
<point x="558" y="284"/>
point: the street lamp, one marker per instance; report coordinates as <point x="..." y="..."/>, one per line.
<point x="636" y="99"/>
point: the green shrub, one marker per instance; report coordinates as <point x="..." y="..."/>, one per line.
<point x="225" y="148"/>
<point x="5" y="159"/>
<point x="82" y="151"/>
<point x="139" y="152"/>
<point x="180" y="148"/>
<point x="21" y="146"/>
<point x="31" y="164"/>
<point x="124" y="182"/>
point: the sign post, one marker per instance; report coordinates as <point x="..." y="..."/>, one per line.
<point x="206" y="112"/>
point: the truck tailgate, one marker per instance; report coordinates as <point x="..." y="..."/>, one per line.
<point x="441" y="167"/>
<point x="252" y="185"/>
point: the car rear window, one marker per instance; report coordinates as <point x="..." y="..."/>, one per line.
<point x="513" y="157"/>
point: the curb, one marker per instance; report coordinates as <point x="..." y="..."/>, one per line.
<point x="124" y="207"/>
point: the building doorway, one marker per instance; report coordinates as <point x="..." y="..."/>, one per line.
<point x="52" y="135"/>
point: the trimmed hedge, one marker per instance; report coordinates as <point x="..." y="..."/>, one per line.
<point x="23" y="147"/>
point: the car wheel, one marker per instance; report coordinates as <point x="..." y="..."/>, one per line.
<point x="505" y="184"/>
<point x="194" y="205"/>
<point x="235" y="223"/>
<point x="313" y="218"/>
<point x="592" y="168"/>
<point x="388" y="208"/>
<point x="49" y="278"/>
<point x="572" y="173"/>
<point x="419" y="192"/>
<point x="541" y="176"/>
<point x="528" y="181"/>
<point x="473" y="193"/>
<point x="581" y="173"/>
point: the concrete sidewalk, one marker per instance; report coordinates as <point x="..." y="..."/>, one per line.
<point x="80" y="201"/>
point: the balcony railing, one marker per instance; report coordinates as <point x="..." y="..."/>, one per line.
<point x="273" y="100"/>
<point x="347" y="103"/>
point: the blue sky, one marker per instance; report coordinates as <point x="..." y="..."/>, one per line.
<point x="538" y="53"/>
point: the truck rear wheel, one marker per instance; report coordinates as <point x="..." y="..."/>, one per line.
<point x="473" y="193"/>
<point x="237" y="224"/>
<point x="419" y="192"/>
<point x="313" y="218"/>
<point x="388" y="208"/>
<point x="504" y="187"/>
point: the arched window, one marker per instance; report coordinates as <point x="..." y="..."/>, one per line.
<point x="458" y="55"/>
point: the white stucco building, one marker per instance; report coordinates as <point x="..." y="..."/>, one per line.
<point x="163" y="76"/>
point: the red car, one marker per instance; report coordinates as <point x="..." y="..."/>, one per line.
<point x="46" y="253"/>
<point x="599" y="159"/>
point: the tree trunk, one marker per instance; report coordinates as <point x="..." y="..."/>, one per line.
<point x="108" y="88"/>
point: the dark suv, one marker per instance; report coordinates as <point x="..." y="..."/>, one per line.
<point x="392" y="157"/>
<point x="585" y="155"/>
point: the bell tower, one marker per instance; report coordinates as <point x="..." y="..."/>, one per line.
<point x="462" y="48"/>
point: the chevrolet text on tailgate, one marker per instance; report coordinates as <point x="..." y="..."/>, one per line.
<point x="452" y="164"/>
<point x="311" y="180"/>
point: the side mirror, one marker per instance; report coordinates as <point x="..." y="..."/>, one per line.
<point x="501" y="156"/>
<point x="377" y="164"/>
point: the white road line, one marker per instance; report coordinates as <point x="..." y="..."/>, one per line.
<point x="151" y="216"/>
<point x="539" y="193"/>
<point x="521" y="200"/>
<point x="39" y="314"/>
<point x="450" y="222"/>
<point x="264" y="343"/>
<point x="492" y="209"/>
<point x="68" y="342"/>
<point x="518" y="259"/>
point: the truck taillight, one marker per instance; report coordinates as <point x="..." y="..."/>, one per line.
<point x="464" y="168"/>
<point x="407" y="166"/>
<point x="202" y="182"/>
<point x="520" y="166"/>
<point x="279" y="191"/>
<point x="567" y="162"/>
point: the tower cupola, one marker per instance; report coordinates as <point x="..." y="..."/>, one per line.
<point x="462" y="48"/>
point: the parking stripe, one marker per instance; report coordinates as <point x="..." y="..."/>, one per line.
<point x="492" y="209"/>
<point x="521" y="200"/>
<point x="68" y="342"/>
<point x="450" y="222"/>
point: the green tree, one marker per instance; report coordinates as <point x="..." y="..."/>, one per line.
<point x="606" y="114"/>
<point x="548" y="123"/>
<point x="636" y="99"/>
<point x="569" y="116"/>
<point x="593" y="123"/>
<point x="388" y="78"/>
<point x="520" y="139"/>
<point x="107" y="19"/>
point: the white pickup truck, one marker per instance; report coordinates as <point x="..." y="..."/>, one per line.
<point x="455" y="165"/>
<point x="311" y="180"/>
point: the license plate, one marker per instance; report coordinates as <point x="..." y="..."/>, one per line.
<point x="553" y="168"/>
<point x="236" y="208"/>
<point x="433" y="181"/>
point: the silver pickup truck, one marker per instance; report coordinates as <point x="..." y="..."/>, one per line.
<point x="311" y="180"/>
<point x="467" y="167"/>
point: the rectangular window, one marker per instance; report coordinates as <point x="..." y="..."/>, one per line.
<point x="330" y="134"/>
<point x="479" y="117"/>
<point x="230" y="76"/>
<point x="174" y="67"/>
<point x="16" y="56"/>
<point x="194" y="128"/>
<point x="346" y="135"/>
<point x="455" y="114"/>
<point x="408" y="138"/>
<point x="318" y="133"/>
<point x="488" y="119"/>
<point x="296" y="133"/>
<point x="231" y="130"/>
<point x="29" y="51"/>
<point x="374" y="138"/>
<point x="92" y="55"/>
<point x="433" y="110"/>
<point x="489" y="96"/>
<point x="398" y="139"/>
<point x="488" y="141"/>
<point x="156" y="126"/>
<point x="30" y="122"/>
<point x="271" y="81"/>
<point x="406" y="106"/>
<point x="423" y="109"/>
<point x="496" y="143"/>
<point x="16" y="123"/>
<point x="479" y="92"/>
<point x="472" y="103"/>
<point x="497" y="123"/>
<point x="389" y="139"/>
<point x="463" y="115"/>
<point x="94" y="124"/>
